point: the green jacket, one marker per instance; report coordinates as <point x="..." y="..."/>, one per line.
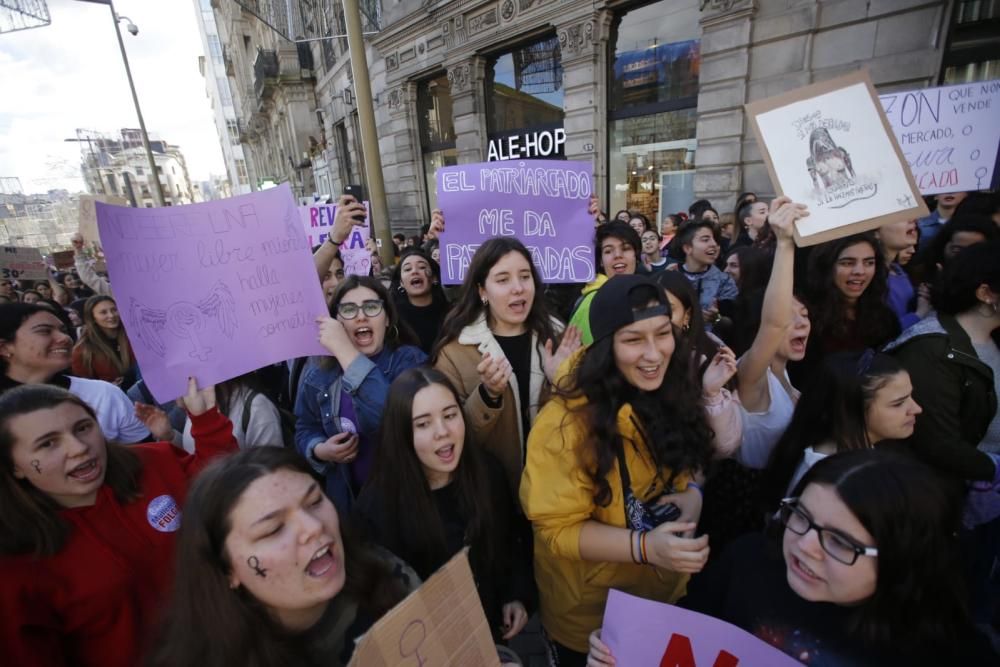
<point x="956" y="391"/>
<point x="581" y="316"/>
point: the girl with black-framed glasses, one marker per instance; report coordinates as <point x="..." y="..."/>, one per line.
<point x="339" y="405"/>
<point x="864" y="572"/>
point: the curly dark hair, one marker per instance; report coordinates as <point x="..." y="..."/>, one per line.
<point x="671" y="419"/>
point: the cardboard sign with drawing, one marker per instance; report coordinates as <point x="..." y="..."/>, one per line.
<point x="830" y="146"/>
<point x="441" y="623"/>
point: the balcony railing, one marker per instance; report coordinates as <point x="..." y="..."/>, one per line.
<point x="265" y="72"/>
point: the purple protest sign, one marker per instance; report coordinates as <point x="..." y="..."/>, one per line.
<point x="643" y="633"/>
<point x="317" y="221"/>
<point x="212" y="290"/>
<point x="541" y="202"/>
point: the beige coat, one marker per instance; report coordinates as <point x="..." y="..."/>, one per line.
<point x="496" y="429"/>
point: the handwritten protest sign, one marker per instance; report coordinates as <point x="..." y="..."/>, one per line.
<point x="949" y="135"/>
<point x="17" y="263"/>
<point x="88" y="215"/>
<point x="62" y="259"/>
<point x="830" y="146"/>
<point x="212" y="290"/>
<point x="441" y="623"/>
<point x="643" y="633"/>
<point x="317" y="221"/>
<point x="543" y="203"/>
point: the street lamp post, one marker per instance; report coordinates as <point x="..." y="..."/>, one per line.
<point x="115" y="18"/>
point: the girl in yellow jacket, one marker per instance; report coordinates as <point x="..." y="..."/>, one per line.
<point x="607" y="481"/>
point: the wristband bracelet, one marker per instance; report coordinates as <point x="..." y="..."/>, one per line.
<point x="642" y="547"/>
<point x="697" y="487"/>
<point x="335" y="244"/>
<point x="631" y="546"/>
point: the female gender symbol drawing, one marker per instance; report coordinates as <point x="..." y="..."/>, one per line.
<point x="186" y="320"/>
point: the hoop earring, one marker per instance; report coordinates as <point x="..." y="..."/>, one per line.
<point x="395" y="332"/>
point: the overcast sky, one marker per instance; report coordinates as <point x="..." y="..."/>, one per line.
<point x="70" y="75"/>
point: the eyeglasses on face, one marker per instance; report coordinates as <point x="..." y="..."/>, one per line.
<point x="370" y="307"/>
<point x="840" y="547"/>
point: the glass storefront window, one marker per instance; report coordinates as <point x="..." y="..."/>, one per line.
<point x="652" y="108"/>
<point x="432" y="162"/>
<point x="524" y="102"/>
<point x="437" y="131"/>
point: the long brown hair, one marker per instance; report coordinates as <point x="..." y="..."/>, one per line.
<point x="30" y="521"/>
<point x="95" y="343"/>
<point x="469" y="306"/>
<point x="209" y="624"/>
<point x="413" y="528"/>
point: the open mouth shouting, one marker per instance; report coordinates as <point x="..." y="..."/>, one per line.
<point x="798" y="344"/>
<point x="518" y="307"/>
<point x="363" y="337"/>
<point x="323" y="562"/>
<point x="418" y="283"/>
<point x="446" y="454"/>
<point x="87" y="471"/>
<point x="857" y="285"/>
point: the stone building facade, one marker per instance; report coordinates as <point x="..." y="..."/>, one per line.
<point x="650" y="92"/>
<point x="744" y="50"/>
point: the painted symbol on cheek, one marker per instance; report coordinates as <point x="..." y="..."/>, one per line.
<point x="37" y="466"/>
<point x="254" y="563"/>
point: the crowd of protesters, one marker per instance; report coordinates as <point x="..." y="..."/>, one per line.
<point x="803" y="442"/>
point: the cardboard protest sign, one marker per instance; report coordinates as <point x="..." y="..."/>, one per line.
<point x="441" y="623"/>
<point x="88" y="215"/>
<point x="644" y="633"/>
<point x="17" y="263"/>
<point x="317" y="221"/>
<point x="212" y="290"/>
<point x="830" y="146"/>
<point x="949" y="135"/>
<point x="62" y="259"/>
<point x="543" y="203"/>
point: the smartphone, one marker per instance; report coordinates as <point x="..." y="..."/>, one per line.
<point x="659" y="514"/>
<point x="358" y="192"/>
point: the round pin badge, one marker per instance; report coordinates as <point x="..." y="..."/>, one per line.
<point x="164" y="514"/>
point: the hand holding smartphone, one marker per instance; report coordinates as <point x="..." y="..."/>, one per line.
<point x="358" y="192"/>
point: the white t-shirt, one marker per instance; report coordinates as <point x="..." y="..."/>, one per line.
<point x="115" y="412"/>
<point x="762" y="430"/>
<point x="264" y="427"/>
<point x="810" y="457"/>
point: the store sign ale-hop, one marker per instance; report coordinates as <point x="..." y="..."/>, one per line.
<point x="538" y="144"/>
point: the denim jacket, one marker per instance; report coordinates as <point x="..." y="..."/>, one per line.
<point x="317" y="408"/>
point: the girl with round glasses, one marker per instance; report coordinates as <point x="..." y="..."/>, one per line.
<point x="339" y="406"/>
<point x="866" y="574"/>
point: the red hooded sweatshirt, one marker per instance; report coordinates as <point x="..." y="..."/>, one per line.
<point x="95" y="601"/>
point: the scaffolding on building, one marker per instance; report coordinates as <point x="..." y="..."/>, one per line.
<point x="23" y="14"/>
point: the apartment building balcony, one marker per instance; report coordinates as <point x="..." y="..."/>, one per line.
<point x="265" y="73"/>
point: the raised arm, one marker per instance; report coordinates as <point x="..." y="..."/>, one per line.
<point x="776" y="313"/>
<point x="347" y="208"/>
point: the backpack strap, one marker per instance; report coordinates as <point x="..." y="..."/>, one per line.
<point x="245" y="420"/>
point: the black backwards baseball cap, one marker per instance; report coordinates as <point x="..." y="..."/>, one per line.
<point x="613" y="307"/>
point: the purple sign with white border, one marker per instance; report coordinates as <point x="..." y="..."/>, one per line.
<point x="543" y="203"/>
<point x="212" y="290"/>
